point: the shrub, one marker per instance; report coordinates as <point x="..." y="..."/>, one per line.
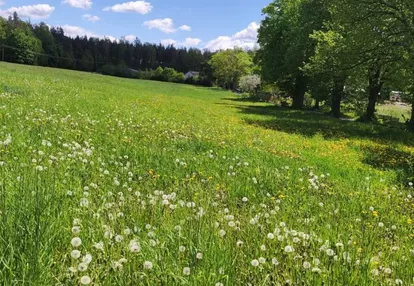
<point x="250" y="83"/>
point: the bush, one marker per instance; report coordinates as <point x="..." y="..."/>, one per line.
<point x="108" y="70"/>
<point x="250" y="83"/>
<point x="119" y="71"/>
<point x="160" y="74"/>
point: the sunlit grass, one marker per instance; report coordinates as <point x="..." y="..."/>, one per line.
<point x="169" y="184"/>
<point x="400" y="112"/>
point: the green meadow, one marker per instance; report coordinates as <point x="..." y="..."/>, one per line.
<point x="109" y="181"/>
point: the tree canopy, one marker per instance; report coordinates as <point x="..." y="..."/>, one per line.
<point x="229" y="66"/>
<point x="336" y="49"/>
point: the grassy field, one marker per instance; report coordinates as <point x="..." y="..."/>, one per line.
<point x="107" y="181"/>
<point x="400" y="112"/>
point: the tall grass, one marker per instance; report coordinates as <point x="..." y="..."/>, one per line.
<point x="107" y="181"/>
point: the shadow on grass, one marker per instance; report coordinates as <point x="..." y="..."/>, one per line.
<point x="311" y="123"/>
<point x="388" y="158"/>
<point x="384" y="156"/>
<point x="243" y="99"/>
<point x="216" y="89"/>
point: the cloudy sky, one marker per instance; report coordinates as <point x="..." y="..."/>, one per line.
<point x="211" y="24"/>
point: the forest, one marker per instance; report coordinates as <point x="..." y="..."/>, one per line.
<point x="40" y="44"/>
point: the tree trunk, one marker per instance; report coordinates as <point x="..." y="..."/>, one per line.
<point x="411" y="123"/>
<point x="374" y="89"/>
<point x="337" y="94"/>
<point x="299" y="92"/>
<point x="317" y="104"/>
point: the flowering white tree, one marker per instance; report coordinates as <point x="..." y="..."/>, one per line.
<point x="250" y="83"/>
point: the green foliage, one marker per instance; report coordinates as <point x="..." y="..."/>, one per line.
<point x="49" y="46"/>
<point x="229" y="66"/>
<point x="322" y="46"/>
<point x="286" y="46"/>
<point x="20" y="36"/>
<point x="250" y="83"/>
<point x="171" y="75"/>
<point x="3" y="31"/>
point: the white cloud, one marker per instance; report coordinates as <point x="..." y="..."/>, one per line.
<point x="1" y="3"/>
<point x="185" y="28"/>
<point x="167" y="42"/>
<point x="246" y="39"/>
<point x="91" y="18"/>
<point x="141" y="7"/>
<point x="83" y="4"/>
<point x="165" y="25"/>
<point x="188" y="42"/>
<point x="112" y="39"/>
<point x="191" y="42"/>
<point x="74" y="31"/>
<point x="130" y="38"/>
<point x="39" y="11"/>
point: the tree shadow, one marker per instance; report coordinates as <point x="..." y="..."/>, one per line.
<point x="241" y="99"/>
<point x="215" y="89"/>
<point x="388" y="158"/>
<point x="311" y="123"/>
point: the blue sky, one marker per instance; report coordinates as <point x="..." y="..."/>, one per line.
<point x="213" y="24"/>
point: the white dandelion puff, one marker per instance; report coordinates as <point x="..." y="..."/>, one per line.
<point x="75" y="254"/>
<point x="255" y="262"/>
<point x="99" y="245"/>
<point x="87" y="258"/>
<point x="82" y="267"/>
<point x="186" y="271"/>
<point x="289" y="249"/>
<point x="85" y="280"/>
<point x="148" y="265"/>
<point x="262" y="260"/>
<point x="76" y="242"/>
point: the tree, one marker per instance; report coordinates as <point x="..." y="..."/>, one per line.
<point x="286" y="46"/>
<point x="250" y="83"/>
<point x="43" y="33"/>
<point x="229" y="66"/>
<point x="392" y="21"/>
<point x="327" y="68"/>
<point x="369" y="40"/>
<point x="24" y="43"/>
<point x="3" y="27"/>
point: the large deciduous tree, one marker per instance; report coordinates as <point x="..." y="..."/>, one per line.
<point x="376" y="39"/>
<point x="286" y="45"/>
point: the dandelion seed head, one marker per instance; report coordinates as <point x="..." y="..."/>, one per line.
<point x="255" y="262"/>
<point x="82" y="267"/>
<point x="148" y="265"/>
<point x="186" y="271"/>
<point x="85" y="280"/>
<point x="76" y="242"/>
<point x="75" y="254"/>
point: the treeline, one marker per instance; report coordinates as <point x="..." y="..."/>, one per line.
<point x="336" y="50"/>
<point x="159" y="74"/>
<point x="40" y="45"/>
